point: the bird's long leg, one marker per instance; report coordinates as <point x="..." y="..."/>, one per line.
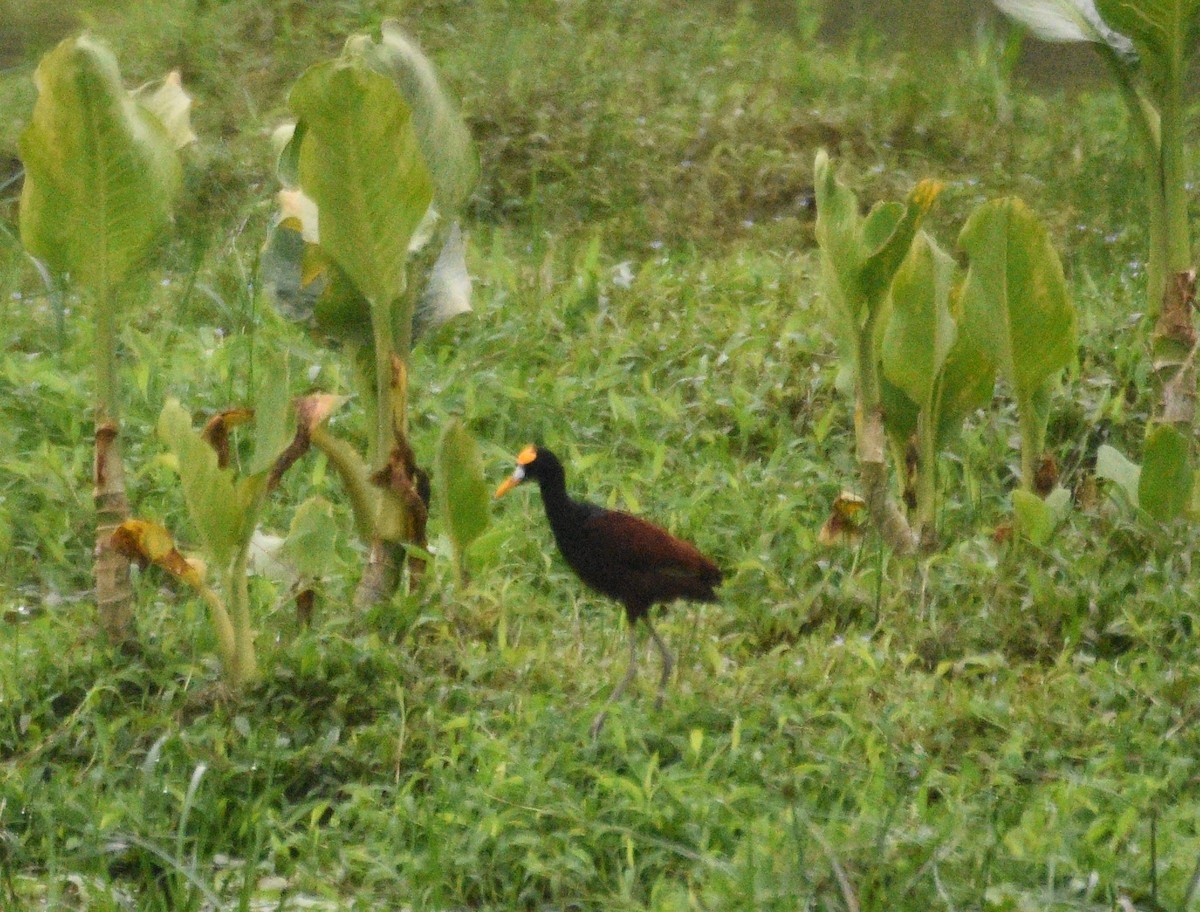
<point x="630" y="674"/>
<point x="668" y="663"/>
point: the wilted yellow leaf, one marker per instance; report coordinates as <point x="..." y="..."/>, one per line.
<point x="845" y="523"/>
<point x="149" y="543"/>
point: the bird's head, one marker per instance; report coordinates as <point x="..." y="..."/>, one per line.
<point x="533" y="462"/>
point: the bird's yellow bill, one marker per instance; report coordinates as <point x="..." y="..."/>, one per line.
<point x="509" y="483"/>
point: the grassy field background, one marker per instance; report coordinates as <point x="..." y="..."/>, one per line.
<point x="993" y="727"/>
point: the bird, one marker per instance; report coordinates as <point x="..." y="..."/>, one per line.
<point x="619" y="555"/>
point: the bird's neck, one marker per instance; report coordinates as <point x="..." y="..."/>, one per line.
<point x="559" y="505"/>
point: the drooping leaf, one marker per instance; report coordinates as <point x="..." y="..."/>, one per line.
<point x="1063" y="21"/>
<point x="1112" y="466"/>
<point x="921" y="331"/>
<point x="462" y="488"/>
<point x="441" y="132"/>
<point x="447" y="292"/>
<point x="100" y="170"/>
<point x="149" y="543"/>
<point x="360" y="163"/>
<point x="1165" y="486"/>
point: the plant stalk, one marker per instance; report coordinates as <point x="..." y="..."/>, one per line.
<point x="114" y="592"/>
<point x="1031" y="444"/>
<point x="872" y="447"/>
<point x="245" y="666"/>
<point x="926" y="476"/>
<point x="226" y="639"/>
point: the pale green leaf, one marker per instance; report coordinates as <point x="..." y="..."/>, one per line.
<point x="360" y="162"/>
<point x="1112" y="465"/>
<point x="100" y="171"/>
<point x="441" y="132"/>
<point x="886" y="239"/>
<point x="271" y="402"/>
<point x="1036" y="518"/>
<point x="208" y="490"/>
<point x="837" y="233"/>
<point x="462" y="488"/>
<point x="1015" y="303"/>
<point x="921" y="330"/>
<point x="1165" y="487"/>
<point x="311" y="541"/>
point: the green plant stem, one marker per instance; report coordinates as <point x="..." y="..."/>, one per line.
<point x="364" y="497"/>
<point x="926" y="473"/>
<point x="872" y="446"/>
<point x="105" y="354"/>
<point x="1174" y="172"/>
<point x="223" y="626"/>
<point x="381" y="327"/>
<point x="1147" y="124"/>
<point x="245" y="665"/>
<point x="1031" y="443"/>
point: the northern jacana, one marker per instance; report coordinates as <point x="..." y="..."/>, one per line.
<point x="619" y="555"/>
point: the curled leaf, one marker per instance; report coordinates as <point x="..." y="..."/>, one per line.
<point x="315" y="409"/>
<point x="149" y="543"/>
<point x="216" y="431"/>
<point x="167" y="100"/>
<point x="296" y="208"/>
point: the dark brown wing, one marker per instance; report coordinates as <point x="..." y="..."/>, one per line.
<point x="650" y="559"/>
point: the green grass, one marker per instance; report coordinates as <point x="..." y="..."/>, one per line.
<point x="994" y="727"/>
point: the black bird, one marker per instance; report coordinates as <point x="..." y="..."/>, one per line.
<point x="619" y="555"/>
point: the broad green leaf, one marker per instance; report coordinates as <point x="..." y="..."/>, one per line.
<point x="311" y="541"/>
<point x="1112" y="465"/>
<point x="968" y="383"/>
<point x="1015" y="303"/>
<point x="441" y="132"/>
<point x="447" y="292"/>
<point x="837" y="233"/>
<point x="1036" y="518"/>
<point x="1165" y="487"/>
<point x="921" y="330"/>
<point x="216" y="504"/>
<point x="100" y="171"/>
<point x="361" y="165"/>
<point x="900" y="413"/>
<point x="462" y="488"/>
<point x="1164" y="32"/>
